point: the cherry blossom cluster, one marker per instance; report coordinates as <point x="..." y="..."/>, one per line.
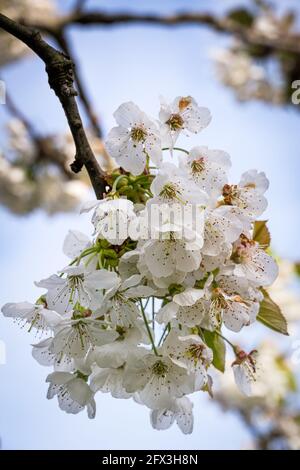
<point x="246" y="70"/>
<point x="35" y="173"/>
<point x="247" y="78"/>
<point x="142" y="308"/>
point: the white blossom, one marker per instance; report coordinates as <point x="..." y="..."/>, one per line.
<point x="135" y="138"/>
<point x="180" y="411"/>
<point x="75" y="243"/>
<point x="174" y="247"/>
<point x="73" y="393"/>
<point x="116" y="354"/>
<point x="109" y="380"/>
<point x="244" y="370"/>
<point x="119" y="302"/>
<point x="111" y="220"/>
<point x="156" y="379"/>
<point x="172" y="186"/>
<point x="182" y="115"/>
<point x="207" y="168"/>
<point x="80" y="286"/>
<point x="35" y="315"/>
<point x="222" y="227"/>
<point x="248" y="195"/>
<point x="191" y="353"/>
<point x="231" y="301"/>
<point x="76" y="336"/>
<point x="253" y="263"/>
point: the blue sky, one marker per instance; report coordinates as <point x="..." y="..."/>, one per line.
<point x="135" y="63"/>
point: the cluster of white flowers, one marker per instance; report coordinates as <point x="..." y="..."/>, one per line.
<point x="250" y="71"/>
<point x="178" y="238"/>
<point x="248" y="78"/>
<point x="269" y="25"/>
<point x="37" y="176"/>
<point x="37" y="11"/>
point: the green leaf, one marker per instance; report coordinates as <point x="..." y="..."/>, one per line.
<point x="261" y="233"/>
<point x="271" y="316"/>
<point x="217" y="344"/>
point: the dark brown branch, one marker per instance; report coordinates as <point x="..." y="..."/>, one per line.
<point x="60" y="71"/>
<point x="287" y="43"/>
<point x="61" y="39"/>
<point x="109" y="19"/>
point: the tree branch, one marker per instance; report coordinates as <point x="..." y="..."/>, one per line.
<point x="60" y="71"/>
<point x="62" y="41"/>
<point x="287" y="43"/>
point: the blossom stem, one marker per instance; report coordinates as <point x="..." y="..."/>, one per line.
<point x="86" y="252"/>
<point x="153" y="313"/>
<point x="148" y="329"/>
<point x="227" y="341"/>
<point x="176" y="148"/>
<point x="163" y="334"/>
<point x="33" y="323"/>
<point x="114" y="188"/>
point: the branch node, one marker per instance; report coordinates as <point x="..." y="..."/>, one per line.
<point x="77" y="165"/>
<point x="36" y="35"/>
<point x="77" y="123"/>
<point x="61" y="76"/>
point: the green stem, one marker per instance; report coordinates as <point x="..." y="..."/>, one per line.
<point x="34" y="321"/>
<point x="114" y="188"/>
<point x="153" y="313"/>
<point x="176" y="148"/>
<point x="100" y="262"/>
<point x="227" y="341"/>
<point x="163" y="334"/>
<point x="148" y="329"/>
<point x="86" y="252"/>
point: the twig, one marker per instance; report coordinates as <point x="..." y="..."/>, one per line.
<point x="287" y="43"/>
<point x="44" y="149"/>
<point x="60" y="71"/>
<point x="18" y="114"/>
<point x="148" y="328"/>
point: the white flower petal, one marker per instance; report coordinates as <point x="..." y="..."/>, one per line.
<point x="188" y="297"/>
